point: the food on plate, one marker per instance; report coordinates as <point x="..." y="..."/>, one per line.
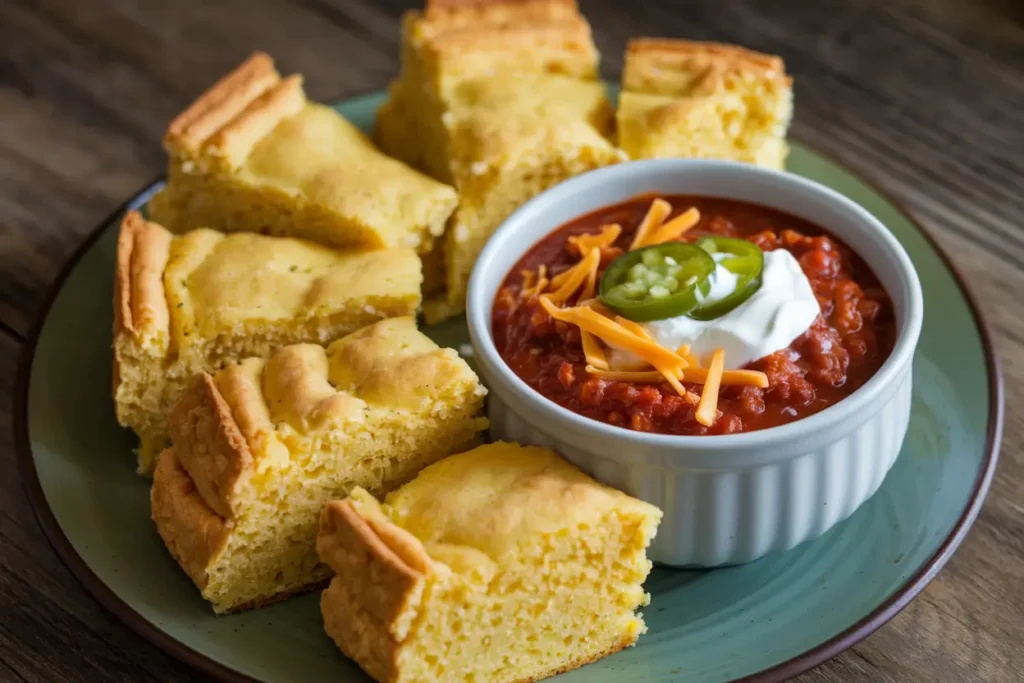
<point x="262" y="445"/>
<point x="253" y="154"/>
<point x="692" y="315"/>
<point x="502" y="564"/>
<point x="193" y="302"/>
<point x="688" y="99"/>
<point x="501" y="100"/>
<point x="451" y="42"/>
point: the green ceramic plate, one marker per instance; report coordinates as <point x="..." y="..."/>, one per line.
<point x="770" y="619"/>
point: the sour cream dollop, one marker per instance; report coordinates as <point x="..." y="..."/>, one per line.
<point x="776" y="314"/>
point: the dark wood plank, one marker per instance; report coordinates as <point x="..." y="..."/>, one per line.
<point x="924" y="95"/>
<point x="51" y="630"/>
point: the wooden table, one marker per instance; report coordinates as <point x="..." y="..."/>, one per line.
<point x="925" y="96"/>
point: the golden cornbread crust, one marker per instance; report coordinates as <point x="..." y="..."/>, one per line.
<point x="500" y="99"/>
<point x="692" y="99"/>
<point x="253" y="154"/>
<point x="142" y="251"/>
<point x="449" y="29"/>
<point x="648" y="59"/>
<point x="191" y="530"/>
<point x="260" y="447"/>
<point x="222" y="102"/>
<point x="211" y="446"/>
<point x="480" y="10"/>
<point x="195" y="302"/>
<point x="451" y="578"/>
<point x="193" y="534"/>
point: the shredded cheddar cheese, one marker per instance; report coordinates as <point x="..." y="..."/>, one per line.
<point x="656" y="215"/>
<point x="528" y="278"/>
<point x="684" y="352"/>
<point x="675" y="228"/>
<point x="638" y="376"/>
<point x="534" y="283"/>
<point x="593" y="352"/>
<point x="729" y="378"/>
<point x="633" y="327"/>
<point x="598" y="324"/>
<point x="569" y="281"/>
<point x="606" y="238"/>
<point x="614" y="334"/>
<point x="707" y="409"/>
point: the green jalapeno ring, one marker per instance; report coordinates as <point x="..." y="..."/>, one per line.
<point x="746" y="260"/>
<point x="656" y="282"/>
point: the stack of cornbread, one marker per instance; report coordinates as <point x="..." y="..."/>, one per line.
<point x="296" y="422"/>
<point x="500" y="99"/>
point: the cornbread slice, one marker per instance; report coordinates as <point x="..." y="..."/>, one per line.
<point x="512" y="138"/>
<point x="501" y="564"/>
<point x="452" y="41"/>
<point x="500" y="99"/>
<point x="688" y="99"/>
<point x="261" y="446"/>
<point x="194" y="302"/>
<point x="253" y="154"/>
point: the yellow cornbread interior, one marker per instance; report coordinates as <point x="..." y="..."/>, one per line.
<point x="686" y="99"/>
<point x="504" y="563"/>
<point x="514" y="138"/>
<point x="260" y="447"/>
<point x="226" y="297"/>
<point x="447" y="44"/>
<point x="282" y="165"/>
<point x="500" y="100"/>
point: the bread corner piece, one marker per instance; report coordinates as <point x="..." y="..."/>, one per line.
<point x="502" y="564"/>
<point x="194" y="302"/>
<point x="451" y="41"/>
<point x="501" y="100"/>
<point x="692" y="99"/>
<point x="261" y="446"/>
<point x="253" y="154"/>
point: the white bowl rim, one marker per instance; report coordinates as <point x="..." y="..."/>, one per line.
<point x="851" y="409"/>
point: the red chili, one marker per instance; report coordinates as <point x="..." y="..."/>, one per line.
<point x="844" y="347"/>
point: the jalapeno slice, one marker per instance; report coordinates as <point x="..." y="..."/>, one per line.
<point x="744" y="259"/>
<point x="656" y="282"/>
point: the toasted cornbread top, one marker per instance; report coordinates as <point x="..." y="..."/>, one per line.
<point x="493" y="121"/>
<point x="451" y="41"/>
<point x="496" y="499"/>
<point x="661" y="112"/>
<point x="221" y="126"/>
<point x="260" y="128"/>
<point x="680" y="67"/>
<point x="323" y="158"/>
<point x="254" y="416"/>
<point x="173" y="292"/>
<point x="452" y="13"/>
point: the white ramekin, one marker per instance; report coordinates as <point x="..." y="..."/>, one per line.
<point x="733" y="498"/>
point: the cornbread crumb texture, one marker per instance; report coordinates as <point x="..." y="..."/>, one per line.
<point x="690" y="99"/>
<point x="513" y="138"/>
<point x="504" y="563"/>
<point x="451" y="42"/>
<point x="253" y="154"/>
<point x="191" y="303"/>
<point x="262" y="445"/>
<point x="499" y="99"/>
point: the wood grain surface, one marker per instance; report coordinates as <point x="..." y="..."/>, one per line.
<point x="924" y="96"/>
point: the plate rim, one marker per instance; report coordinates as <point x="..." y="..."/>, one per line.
<point x="783" y="671"/>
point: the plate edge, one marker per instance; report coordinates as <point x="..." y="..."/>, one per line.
<point x="60" y="543"/>
<point x="913" y="586"/>
<point x="779" y="672"/>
